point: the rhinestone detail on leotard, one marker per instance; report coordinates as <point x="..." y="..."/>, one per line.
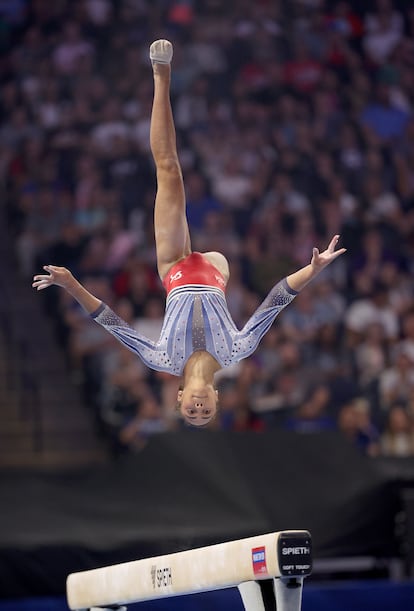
<point x="197" y="318"/>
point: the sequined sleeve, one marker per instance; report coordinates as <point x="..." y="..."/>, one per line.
<point x="149" y="352"/>
<point x="246" y="341"/>
<point x="279" y="297"/>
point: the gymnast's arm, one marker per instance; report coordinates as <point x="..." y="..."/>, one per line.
<point x="60" y="276"/>
<point x="298" y="280"/>
<point x="246" y="341"/>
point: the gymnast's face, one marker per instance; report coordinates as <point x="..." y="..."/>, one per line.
<point x="198" y="404"/>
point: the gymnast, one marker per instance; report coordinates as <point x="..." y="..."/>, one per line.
<point x="198" y="336"/>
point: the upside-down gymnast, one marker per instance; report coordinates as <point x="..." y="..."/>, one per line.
<point x="198" y="336"/>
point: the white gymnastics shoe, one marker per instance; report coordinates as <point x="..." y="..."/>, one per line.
<point x="161" y="52"/>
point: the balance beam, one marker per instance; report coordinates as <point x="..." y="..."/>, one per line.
<point x="285" y="557"/>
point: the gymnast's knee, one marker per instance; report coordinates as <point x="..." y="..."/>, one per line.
<point x="168" y="167"/>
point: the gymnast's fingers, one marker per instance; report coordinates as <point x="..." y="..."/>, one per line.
<point x="337" y="253"/>
<point x="54" y="268"/>
<point x="41" y="282"/>
<point x="333" y="243"/>
<point x="40" y="285"/>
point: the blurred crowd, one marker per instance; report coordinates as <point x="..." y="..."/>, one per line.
<point x="294" y="122"/>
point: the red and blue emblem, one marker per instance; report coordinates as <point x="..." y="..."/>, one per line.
<point x="259" y="560"/>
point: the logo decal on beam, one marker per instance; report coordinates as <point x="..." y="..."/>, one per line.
<point x="259" y="560"/>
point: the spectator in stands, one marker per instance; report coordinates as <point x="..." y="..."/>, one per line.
<point x="371" y="354"/>
<point x="386" y="121"/>
<point x="146" y="422"/>
<point x="355" y="423"/>
<point x="407" y="328"/>
<point x="44" y="221"/>
<point x="373" y="308"/>
<point x="383" y="31"/>
<point x="302" y="71"/>
<point x="70" y="51"/>
<point x="312" y="416"/>
<point x="218" y="232"/>
<point x="398" y="436"/>
<point x="396" y="383"/>
<point x="199" y="201"/>
<point x="276" y="390"/>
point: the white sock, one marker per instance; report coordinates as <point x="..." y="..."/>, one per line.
<point x="161" y="52"/>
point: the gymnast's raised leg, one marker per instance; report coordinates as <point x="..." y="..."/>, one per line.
<point x="172" y="237"/>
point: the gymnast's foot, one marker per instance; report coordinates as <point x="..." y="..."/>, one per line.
<point x="161" y="52"/>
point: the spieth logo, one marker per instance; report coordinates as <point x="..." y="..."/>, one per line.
<point x="161" y="577"/>
<point x="259" y="560"/>
<point x="288" y="551"/>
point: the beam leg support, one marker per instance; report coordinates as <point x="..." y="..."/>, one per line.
<point x="251" y="595"/>
<point x="288" y="593"/>
<point x="278" y="594"/>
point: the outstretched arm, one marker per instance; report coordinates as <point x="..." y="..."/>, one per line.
<point x="147" y="350"/>
<point x="246" y="341"/>
<point x="298" y="280"/>
<point x="60" y="276"/>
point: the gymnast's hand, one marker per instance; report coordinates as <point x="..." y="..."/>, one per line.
<point x="322" y="259"/>
<point x="56" y="275"/>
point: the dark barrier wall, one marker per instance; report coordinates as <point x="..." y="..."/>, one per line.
<point x="192" y="489"/>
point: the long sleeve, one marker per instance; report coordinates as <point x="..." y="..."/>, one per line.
<point x="150" y="353"/>
<point x="246" y="341"/>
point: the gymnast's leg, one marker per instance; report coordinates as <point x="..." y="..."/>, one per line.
<point x="172" y="237"/>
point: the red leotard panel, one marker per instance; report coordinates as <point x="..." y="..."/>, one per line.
<point x="194" y="269"/>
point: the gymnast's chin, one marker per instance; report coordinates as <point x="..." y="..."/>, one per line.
<point x="197" y="403"/>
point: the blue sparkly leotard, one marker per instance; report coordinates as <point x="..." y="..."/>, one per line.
<point x="197" y="318"/>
